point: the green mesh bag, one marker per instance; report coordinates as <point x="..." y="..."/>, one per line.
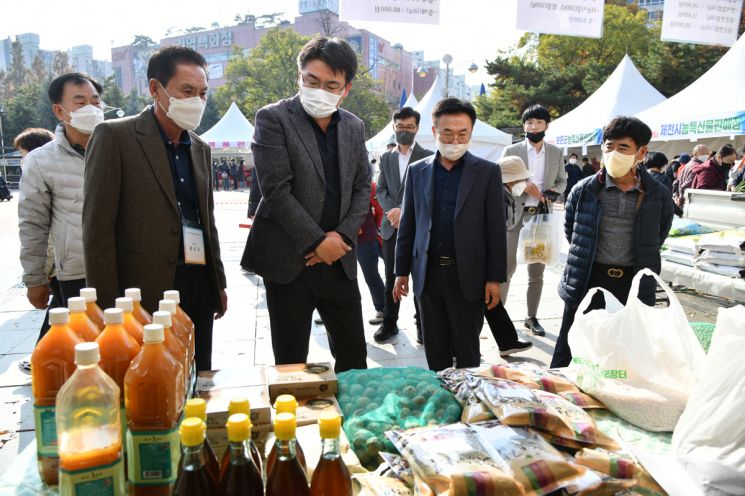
<point x="378" y="400"/>
<point x="703" y="331"/>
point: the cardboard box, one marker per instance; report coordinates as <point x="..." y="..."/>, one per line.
<point x="310" y="409"/>
<point x="301" y="380"/>
<point x="218" y="401"/>
<point x="218" y="438"/>
<point x="230" y="378"/>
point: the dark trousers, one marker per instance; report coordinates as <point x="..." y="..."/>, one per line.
<point x="390" y="312"/>
<point x="368" y="254"/>
<point x="197" y="300"/>
<point x="56" y="290"/>
<point x="337" y="298"/>
<point x="450" y="323"/>
<point x="501" y="326"/>
<point x="599" y="278"/>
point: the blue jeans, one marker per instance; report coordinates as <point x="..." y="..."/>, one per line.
<point x="368" y="253"/>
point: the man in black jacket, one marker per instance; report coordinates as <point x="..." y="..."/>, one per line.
<point x="615" y="223"/>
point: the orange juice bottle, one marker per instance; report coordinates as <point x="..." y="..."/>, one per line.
<point x="92" y="309"/>
<point x="173" y="343"/>
<point x="89" y="429"/>
<point x="237" y="405"/>
<point x="183" y="332"/>
<point x="133" y="327"/>
<point x="287" y="477"/>
<point x="142" y="315"/>
<point x="241" y="476"/>
<point x="197" y="407"/>
<point x="52" y="363"/>
<point x="174" y="295"/>
<point x="193" y="479"/>
<point x="285" y="403"/>
<point x="79" y="320"/>
<point x="152" y="404"/>
<point x="331" y="476"/>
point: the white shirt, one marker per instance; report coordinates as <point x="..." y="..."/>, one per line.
<point x="536" y="165"/>
<point x="403" y="162"/>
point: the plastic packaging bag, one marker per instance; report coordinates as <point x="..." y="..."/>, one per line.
<point x="709" y="439"/>
<point x="639" y="361"/>
<point x="540" y="239"/>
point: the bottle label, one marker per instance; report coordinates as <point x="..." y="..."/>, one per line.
<point x="106" y="480"/>
<point x="152" y="457"/>
<point x="46" y="430"/>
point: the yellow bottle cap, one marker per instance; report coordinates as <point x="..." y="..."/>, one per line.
<point x="192" y="431"/>
<point x="286" y="403"/>
<point x="239" y="428"/>
<point x="284" y="426"/>
<point x="330" y="425"/>
<point x="196" y="407"/>
<point x="239" y="404"/>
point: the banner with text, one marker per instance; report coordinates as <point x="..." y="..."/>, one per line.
<point x="725" y="125"/>
<point x="409" y="11"/>
<point x="707" y="22"/>
<point x="567" y="17"/>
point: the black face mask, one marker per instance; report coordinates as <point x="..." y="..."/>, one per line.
<point x="405" y="137"/>
<point x="535" y="137"/>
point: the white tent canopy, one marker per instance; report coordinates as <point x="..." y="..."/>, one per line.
<point x="713" y="105"/>
<point x="625" y="92"/>
<point x="386" y="135"/>
<point x="232" y="131"/>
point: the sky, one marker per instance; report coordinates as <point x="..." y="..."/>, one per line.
<point x="469" y="30"/>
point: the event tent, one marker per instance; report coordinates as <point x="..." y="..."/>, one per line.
<point x="625" y="92"/>
<point x="380" y="140"/>
<point x="232" y="131"/>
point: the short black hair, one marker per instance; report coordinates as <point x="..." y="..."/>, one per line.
<point x="655" y="160"/>
<point x="536" y="112"/>
<point x="628" y="127"/>
<point x="57" y="87"/>
<point x="162" y="64"/>
<point x="675" y="165"/>
<point x="407" y="112"/>
<point x="32" y="138"/>
<point x="335" y="52"/>
<point x="585" y="158"/>
<point x="572" y="155"/>
<point x="727" y="150"/>
<point x="450" y="106"/>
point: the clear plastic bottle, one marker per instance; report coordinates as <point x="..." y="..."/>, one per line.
<point x="92" y="309"/>
<point x="83" y="326"/>
<point x="194" y="479"/>
<point x="331" y="476"/>
<point x="239" y="404"/>
<point x="142" y="315"/>
<point x="241" y="476"/>
<point x="197" y="407"/>
<point x="89" y="429"/>
<point x="287" y="476"/>
<point x="285" y="403"/>
<point x="131" y="324"/>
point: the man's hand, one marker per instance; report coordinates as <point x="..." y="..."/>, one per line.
<point x="329" y="251"/>
<point x="491" y="295"/>
<point x="224" y="299"/>
<point x="533" y="191"/>
<point x="38" y="296"/>
<point x="400" y="288"/>
<point x="394" y="216"/>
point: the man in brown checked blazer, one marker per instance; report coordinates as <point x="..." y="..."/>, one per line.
<point x="148" y="218"/>
<point x="314" y="174"/>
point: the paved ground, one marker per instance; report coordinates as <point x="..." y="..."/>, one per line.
<point x="242" y="336"/>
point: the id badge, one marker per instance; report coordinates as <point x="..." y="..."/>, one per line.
<point x="194" y="246"/>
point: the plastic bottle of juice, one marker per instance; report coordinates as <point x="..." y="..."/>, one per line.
<point x="197" y="407"/>
<point x="79" y="320"/>
<point x="240" y="404"/>
<point x="152" y="404"/>
<point x="142" y="315"/>
<point x="89" y="429"/>
<point x="133" y="327"/>
<point x="193" y="479"/>
<point x="287" y="476"/>
<point x="92" y="309"/>
<point x="182" y="316"/>
<point x="331" y="477"/>
<point x="173" y="343"/>
<point x="185" y="335"/>
<point x="285" y="403"/>
<point x="241" y="476"/>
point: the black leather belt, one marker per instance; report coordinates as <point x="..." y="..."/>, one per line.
<point x="445" y="261"/>
<point x="530" y="210"/>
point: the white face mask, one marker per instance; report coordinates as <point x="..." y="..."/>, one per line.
<point x="86" y="118"/>
<point x="519" y="188"/>
<point x="186" y="113"/>
<point x="572" y="161"/>
<point x="319" y="103"/>
<point x="453" y="151"/>
<point x="703" y="158"/>
<point x="617" y="164"/>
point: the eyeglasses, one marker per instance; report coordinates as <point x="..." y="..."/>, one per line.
<point x="411" y="128"/>
<point x="449" y="138"/>
<point x="331" y="87"/>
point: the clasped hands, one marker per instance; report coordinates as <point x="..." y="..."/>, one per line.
<point x="331" y="249"/>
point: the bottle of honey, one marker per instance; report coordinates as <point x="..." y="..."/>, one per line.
<point x="182" y="316"/>
<point x="197" y="407"/>
<point x="133" y="327"/>
<point x="285" y="403"/>
<point x="142" y="315"/>
<point x="79" y="320"/>
<point x="287" y="476"/>
<point x="173" y="343"/>
<point x="240" y="404"/>
<point x="241" y="476"/>
<point x="194" y="479"/>
<point x="92" y="309"/>
<point x="184" y="334"/>
<point x="331" y="477"/>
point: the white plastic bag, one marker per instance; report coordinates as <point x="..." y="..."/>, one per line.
<point x="540" y="239"/>
<point x="709" y="439"/>
<point x="640" y="361"/>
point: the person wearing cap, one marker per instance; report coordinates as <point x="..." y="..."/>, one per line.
<point x="514" y="178"/>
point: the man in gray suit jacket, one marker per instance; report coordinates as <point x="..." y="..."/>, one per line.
<point x="313" y="169"/>
<point x="546" y="164"/>
<point x="148" y="201"/>
<point x="394" y="166"/>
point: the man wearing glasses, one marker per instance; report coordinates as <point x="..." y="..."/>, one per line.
<point x="452" y="239"/>
<point x="312" y="166"/>
<point x="394" y="166"/>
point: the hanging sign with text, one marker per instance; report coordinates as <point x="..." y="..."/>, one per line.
<point x="567" y="17"/>
<point x="708" y="22"/>
<point x="408" y="11"/>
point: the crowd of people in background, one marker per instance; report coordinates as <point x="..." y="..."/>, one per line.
<point x="230" y="174"/>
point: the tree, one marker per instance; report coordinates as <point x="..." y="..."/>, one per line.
<point x="113" y="96"/>
<point x="329" y="25"/>
<point x="194" y="29"/>
<point x="17" y="74"/>
<point x="135" y="103"/>
<point x="366" y="101"/>
<point x="39" y="72"/>
<point x="210" y="117"/>
<point x="142" y="41"/>
<point x="60" y="64"/>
